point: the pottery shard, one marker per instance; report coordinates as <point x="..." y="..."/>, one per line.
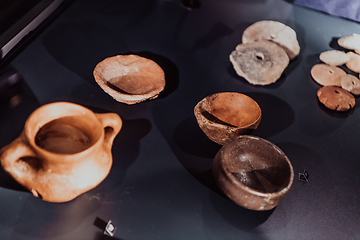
<point x="336" y="98"/>
<point x="351" y="84"/>
<point x="354" y="62"/>
<point x="130" y="78"/>
<point x="260" y="62"/>
<point x="334" y="57"/>
<point x="327" y="75"/>
<point x="276" y="32"/>
<point x="351" y="42"/>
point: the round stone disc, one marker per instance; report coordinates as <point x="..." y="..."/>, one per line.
<point x="351" y="83"/>
<point x="334" y="57"/>
<point x="260" y="62"/>
<point x="327" y="75"/>
<point x="354" y="62"/>
<point x="336" y="98"/>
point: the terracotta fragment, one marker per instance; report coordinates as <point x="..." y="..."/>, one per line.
<point x="260" y="62"/>
<point x="334" y="57"/>
<point x="327" y="75"/>
<point x="354" y="62"/>
<point x="276" y="32"/>
<point x="253" y="172"/>
<point x="351" y="42"/>
<point x="130" y="79"/>
<point x="223" y="116"/>
<point x="336" y="98"/>
<point x="351" y="83"/>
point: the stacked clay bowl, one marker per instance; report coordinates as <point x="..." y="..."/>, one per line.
<point x="253" y="172"/>
<point x="225" y="115"/>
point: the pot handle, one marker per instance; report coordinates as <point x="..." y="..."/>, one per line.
<point x="112" y="124"/>
<point x="11" y="160"/>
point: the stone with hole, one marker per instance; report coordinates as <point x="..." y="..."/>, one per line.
<point x="351" y="83"/>
<point x="336" y="98"/>
<point x="327" y="75"/>
<point x="260" y="63"/>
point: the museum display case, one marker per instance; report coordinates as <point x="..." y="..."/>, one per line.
<point x="161" y="183"/>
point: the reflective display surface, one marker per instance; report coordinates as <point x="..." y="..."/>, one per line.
<point x="161" y="184"/>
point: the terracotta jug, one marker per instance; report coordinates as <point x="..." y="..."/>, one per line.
<point x="63" y="151"/>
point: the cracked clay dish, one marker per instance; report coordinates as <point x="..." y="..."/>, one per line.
<point x="63" y="151"/>
<point x="225" y="115"/>
<point x="130" y="79"/>
<point x="253" y="172"/>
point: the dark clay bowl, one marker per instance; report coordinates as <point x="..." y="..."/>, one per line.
<point x="253" y="172"/>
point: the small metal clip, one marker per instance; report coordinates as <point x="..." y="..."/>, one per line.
<point x="304" y="176"/>
<point x="109" y="229"/>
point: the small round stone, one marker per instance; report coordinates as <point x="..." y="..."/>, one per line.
<point x="336" y="98"/>
<point x="354" y="62"/>
<point x="327" y="75"/>
<point x="350" y="42"/>
<point x="334" y="57"/>
<point x="351" y="83"/>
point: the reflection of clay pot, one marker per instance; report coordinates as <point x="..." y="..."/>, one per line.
<point x="225" y="115"/>
<point x="253" y="172"/>
<point x="63" y="151"/>
<point x="130" y="78"/>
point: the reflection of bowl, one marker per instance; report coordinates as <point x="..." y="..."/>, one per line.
<point x="130" y="78"/>
<point x="253" y="172"/>
<point x="225" y="115"/>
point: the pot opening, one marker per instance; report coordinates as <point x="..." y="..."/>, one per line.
<point x="67" y="135"/>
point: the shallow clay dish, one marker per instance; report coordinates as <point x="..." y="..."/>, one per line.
<point x="336" y="98"/>
<point x="225" y="115"/>
<point x="130" y="78"/>
<point x="253" y="172"/>
<point x="276" y="32"/>
<point x="327" y="75"/>
<point x="260" y="62"/>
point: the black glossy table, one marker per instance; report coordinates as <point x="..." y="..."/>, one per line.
<point x="161" y="185"/>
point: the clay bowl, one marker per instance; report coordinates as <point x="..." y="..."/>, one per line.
<point x="253" y="172"/>
<point x="130" y="79"/>
<point x="225" y="115"/>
